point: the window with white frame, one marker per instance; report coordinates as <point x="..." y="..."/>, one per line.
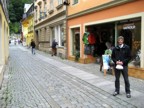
<point x="35" y="15"/>
<point x="51" y="5"/>
<point x="45" y="7"/>
<point x="61" y="35"/>
<point x="52" y="36"/>
<point x="58" y="34"/>
<point x="60" y="2"/>
<point x="75" y="1"/>
<point x="39" y="13"/>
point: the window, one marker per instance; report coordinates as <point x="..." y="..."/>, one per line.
<point x="51" y="5"/>
<point x="59" y="2"/>
<point x="131" y="31"/>
<point x="45" y="7"/>
<point x="40" y="14"/>
<point x="58" y="34"/>
<point x="61" y="35"/>
<point x="75" y="1"/>
<point x="52" y="36"/>
<point x="35" y="15"/>
<point x="45" y="10"/>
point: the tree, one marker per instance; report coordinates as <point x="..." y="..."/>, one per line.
<point x="16" y="10"/>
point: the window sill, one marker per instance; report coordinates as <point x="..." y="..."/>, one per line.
<point x="40" y="19"/>
<point x="51" y="11"/>
<point x="35" y="21"/>
<point x="75" y="3"/>
<point x="59" y="6"/>
<point x="61" y="47"/>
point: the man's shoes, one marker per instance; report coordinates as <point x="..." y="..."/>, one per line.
<point x="128" y="95"/>
<point x="115" y="93"/>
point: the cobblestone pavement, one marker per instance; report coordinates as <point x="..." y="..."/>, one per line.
<point x="42" y="81"/>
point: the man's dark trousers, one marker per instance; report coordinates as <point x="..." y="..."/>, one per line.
<point x="125" y="76"/>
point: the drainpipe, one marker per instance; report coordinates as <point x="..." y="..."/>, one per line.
<point x="66" y="3"/>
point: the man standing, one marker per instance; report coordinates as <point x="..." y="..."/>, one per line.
<point x="121" y="55"/>
<point x="33" y="46"/>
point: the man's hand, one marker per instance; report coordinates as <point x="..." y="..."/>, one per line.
<point x="119" y="63"/>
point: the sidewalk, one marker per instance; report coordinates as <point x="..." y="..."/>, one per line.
<point x="93" y="68"/>
<point x="91" y="75"/>
<point x="1" y="74"/>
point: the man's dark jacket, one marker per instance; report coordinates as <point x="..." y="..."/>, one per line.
<point x="33" y="44"/>
<point x="123" y="54"/>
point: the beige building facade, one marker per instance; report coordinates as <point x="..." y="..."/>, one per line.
<point x="50" y="23"/>
<point x="4" y="37"/>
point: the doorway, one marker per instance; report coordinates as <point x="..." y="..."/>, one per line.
<point x="76" y="42"/>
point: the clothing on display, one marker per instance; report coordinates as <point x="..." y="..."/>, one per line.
<point x="85" y="38"/>
<point x="91" y="38"/>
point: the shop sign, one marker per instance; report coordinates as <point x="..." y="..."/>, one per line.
<point x="129" y="26"/>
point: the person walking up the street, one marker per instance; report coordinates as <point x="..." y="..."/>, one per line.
<point x="121" y="55"/>
<point x="54" y="50"/>
<point x="33" y="46"/>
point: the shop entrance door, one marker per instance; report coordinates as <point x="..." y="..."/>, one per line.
<point x="76" y="44"/>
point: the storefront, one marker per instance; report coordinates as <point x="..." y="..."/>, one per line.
<point x="130" y="29"/>
<point x="107" y="25"/>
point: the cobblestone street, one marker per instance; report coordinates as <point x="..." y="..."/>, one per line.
<point x="42" y="81"/>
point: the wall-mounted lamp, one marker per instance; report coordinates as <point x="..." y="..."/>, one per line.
<point x="66" y="2"/>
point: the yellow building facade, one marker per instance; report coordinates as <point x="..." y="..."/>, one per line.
<point x="4" y="38"/>
<point x="28" y="25"/>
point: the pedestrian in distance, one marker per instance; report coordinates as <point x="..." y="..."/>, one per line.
<point x="15" y="42"/>
<point x="33" y="46"/>
<point x="54" y="49"/>
<point x="121" y="56"/>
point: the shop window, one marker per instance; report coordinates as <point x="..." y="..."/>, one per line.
<point x="131" y="31"/>
<point x="101" y="34"/>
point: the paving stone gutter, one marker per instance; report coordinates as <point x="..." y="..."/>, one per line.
<point x="1" y="74"/>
